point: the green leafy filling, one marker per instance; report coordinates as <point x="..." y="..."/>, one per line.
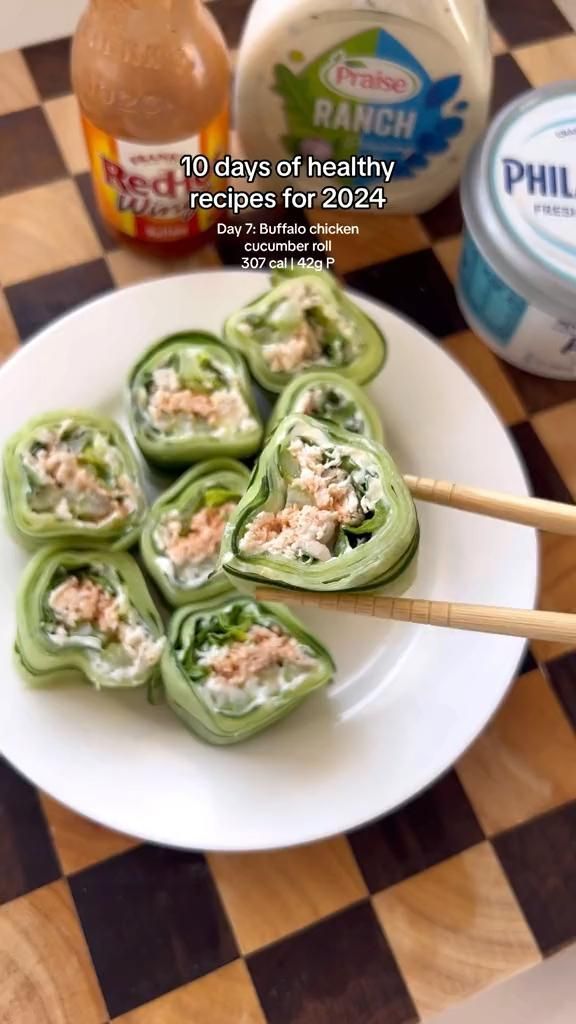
<point x="217" y="496"/>
<point x="229" y="625"/>
<point x="196" y="371"/>
<point x="335" y="407"/>
<point x="282" y="317"/>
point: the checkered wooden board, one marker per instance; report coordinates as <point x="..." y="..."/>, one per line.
<point x="474" y="880"/>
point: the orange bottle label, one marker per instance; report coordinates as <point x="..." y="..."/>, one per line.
<point x="142" y="189"/>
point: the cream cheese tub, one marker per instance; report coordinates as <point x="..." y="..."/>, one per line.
<point x="517" y="277"/>
<point x="407" y="81"/>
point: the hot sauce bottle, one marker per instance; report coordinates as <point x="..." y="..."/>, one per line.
<point x="152" y="79"/>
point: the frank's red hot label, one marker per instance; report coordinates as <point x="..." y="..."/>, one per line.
<point x="142" y="189"/>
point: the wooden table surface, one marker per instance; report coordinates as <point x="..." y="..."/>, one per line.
<point x="473" y="881"/>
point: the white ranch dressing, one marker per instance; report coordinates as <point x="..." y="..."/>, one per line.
<point x="403" y="80"/>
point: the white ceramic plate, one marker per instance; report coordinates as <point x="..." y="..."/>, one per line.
<point x="407" y="700"/>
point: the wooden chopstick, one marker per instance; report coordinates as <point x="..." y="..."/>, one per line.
<point x="552" y="516"/>
<point x="556" y="627"/>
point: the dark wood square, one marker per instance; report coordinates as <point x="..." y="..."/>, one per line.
<point x="340" y="971"/>
<point x="86" y="189"/>
<point x="231" y="16"/>
<point x="539" y="393"/>
<point x="444" y="220"/>
<point x="27" y="857"/>
<point x="540" y="861"/>
<point x="29" y="154"/>
<point x="153" y="921"/>
<point x="528" y="663"/>
<point x="435" y="826"/>
<point x="49" y="65"/>
<point x="530" y="21"/>
<point x="35" y="303"/>
<point x="545" y="478"/>
<point x="415" y="285"/>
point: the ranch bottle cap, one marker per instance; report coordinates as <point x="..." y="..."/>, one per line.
<point x="519" y="195"/>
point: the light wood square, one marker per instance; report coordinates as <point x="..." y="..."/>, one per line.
<point x="448" y="252"/>
<point x="17" y="88"/>
<point x="568" y="8"/>
<point x="9" y="338"/>
<point x="557" y="591"/>
<point x="78" y="841"/>
<point x="483" y="365"/>
<point x="269" y="895"/>
<point x="456" y="929"/>
<point x="381" y="237"/>
<point x="43" y="230"/>
<point x="64" y="118"/>
<point x="130" y="266"/>
<point x="46" y="975"/>
<point x="525" y="762"/>
<point x="226" y="996"/>
<point x="548" y="62"/>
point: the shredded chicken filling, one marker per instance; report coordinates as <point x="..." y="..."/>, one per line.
<point x="241" y="661"/>
<point x="197" y="543"/>
<point x="300" y="349"/>
<point x="80" y="602"/>
<point x="62" y="484"/>
<point x="294" y="530"/>
<point x="171" y="403"/>
<point x="310" y="528"/>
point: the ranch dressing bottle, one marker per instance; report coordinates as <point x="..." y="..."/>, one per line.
<point x="402" y="80"/>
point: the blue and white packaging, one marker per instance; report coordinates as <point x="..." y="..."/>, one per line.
<point x="517" y="277"/>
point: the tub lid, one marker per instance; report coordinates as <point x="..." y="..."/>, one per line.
<point x="519" y="194"/>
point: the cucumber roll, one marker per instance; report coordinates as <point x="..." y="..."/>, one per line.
<point x="327" y="396"/>
<point x="305" y="321"/>
<point x="190" y="398"/>
<point x="87" y="613"/>
<point x="325" y="511"/>
<point x="182" y="535"/>
<point x="73" y="476"/>
<point x="236" y="666"/>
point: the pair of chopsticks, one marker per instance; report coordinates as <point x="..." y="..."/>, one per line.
<point x="551" y="516"/>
